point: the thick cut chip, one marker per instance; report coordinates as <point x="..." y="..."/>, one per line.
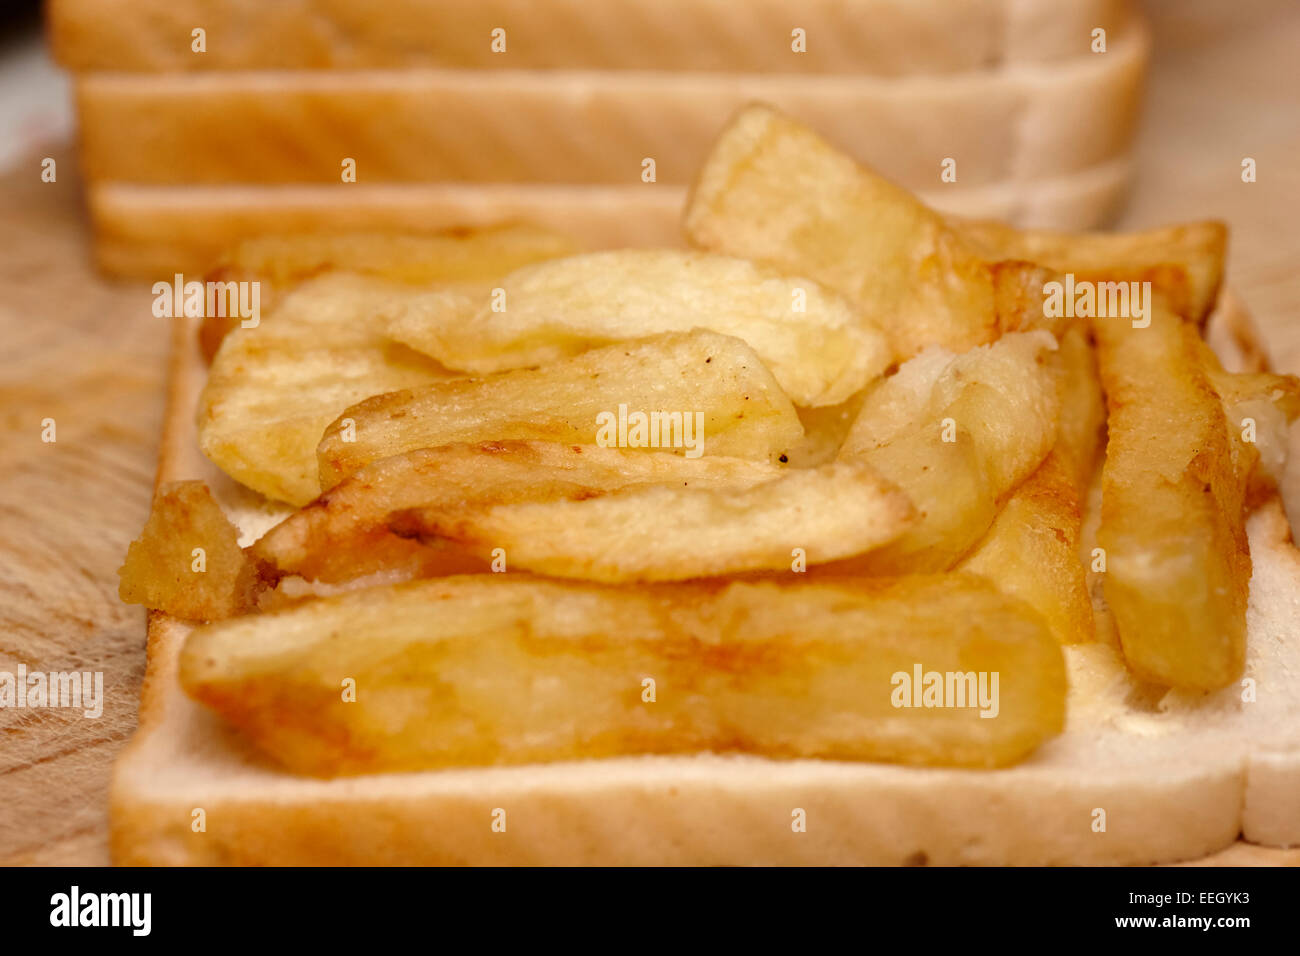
<point x="1082" y="423"/>
<point x="674" y="532"/>
<point x="1183" y="263"/>
<point x="1032" y="549"/>
<point x="1172" y="510"/>
<point x="817" y="345"/>
<point x="692" y="393"/>
<point x="273" y="389"/>
<point x="956" y="434"/>
<point x="344" y="533"/>
<point x="1260" y="408"/>
<point x="774" y="191"/>
<point x="507" y="669"/>
<point x="463" y="257"/>
<point x="187" y="562"/>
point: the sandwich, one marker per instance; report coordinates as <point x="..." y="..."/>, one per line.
<point x="853" y="532"/>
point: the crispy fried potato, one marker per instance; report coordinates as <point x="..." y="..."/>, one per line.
<point x="815" y="343"/>
<point x="1183" y="263"/>
<point x="1019" y="291"/>
<point x="273" y="389"/>
<point x="696" y="376"/>
<point x="1082" y="423"/>
<point x="461" y="256"/>
<point x="1172" y="510"/>
<point x="677" y="532"/>
<point x="1032" y="549"/>
<point x="506" y="669"/>
<point x="187" y="561"/>
<point x="956" y="434"/>
<point x="344" y="533"/>
<point x="773" y="191"/>
<point x="214" y="328"/>
<point x="1260" y="408"/>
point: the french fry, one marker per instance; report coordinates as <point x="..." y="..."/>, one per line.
<point x="1082" y="421"/>
<point x="187" y="561"/>
<point x="773" y="191"/>
<point x="696" y="392"/>
<point x="273" y="389"/>
<point x="1172" y="511"/>
<point x="816" y="345"/>
<point x="1032" y="550"/>
<point x="956" y="434"/>
<point x="1260" y="408"/>
<point x="1183" y="263"/>
<point x="463" y="258"/>
<point x="505" y="669"/>
<point x="344" y="533"/>
<point x="676" y="532"/>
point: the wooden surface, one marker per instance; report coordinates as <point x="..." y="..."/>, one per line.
<point x="91" y="356"/>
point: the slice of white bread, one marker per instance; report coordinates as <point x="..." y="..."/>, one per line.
<point x="1026" y="121"/>
<point x="885" y="37"/>
<point x="152" y="231"/>
<point x="1176" y="777"/>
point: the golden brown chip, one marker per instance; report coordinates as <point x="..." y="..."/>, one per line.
<point x="1260" y="407"/>
<point x="273" y="389"/>
<point x="344" y="533"/>
<point x="774" y="191"/>
<point x="674" y="532"/>
<point x="1032" y="549"/>
<point x="956" y="434"/>
<point x="187" y="562"/>
<point x="690" y="393"/>
<point x="506" y="669"/>
<point x="815" y="343"/>
<point x="456" y="256"/>
<point x="1183" y="263"/>
<point x="1173" y="507"/>
<point x="1031" y="552"/>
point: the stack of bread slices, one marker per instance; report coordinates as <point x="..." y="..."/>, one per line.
<point x="203" y="122"/>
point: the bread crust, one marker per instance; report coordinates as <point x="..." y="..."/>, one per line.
<point x="880" y="37"/>
<point x="1026" y="122"/>
<point x="152" y="231"/>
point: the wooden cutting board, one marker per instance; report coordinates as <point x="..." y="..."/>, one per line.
<point x="90" y="355"/>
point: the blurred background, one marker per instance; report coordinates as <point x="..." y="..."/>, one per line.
<point x="164" y="154"/>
